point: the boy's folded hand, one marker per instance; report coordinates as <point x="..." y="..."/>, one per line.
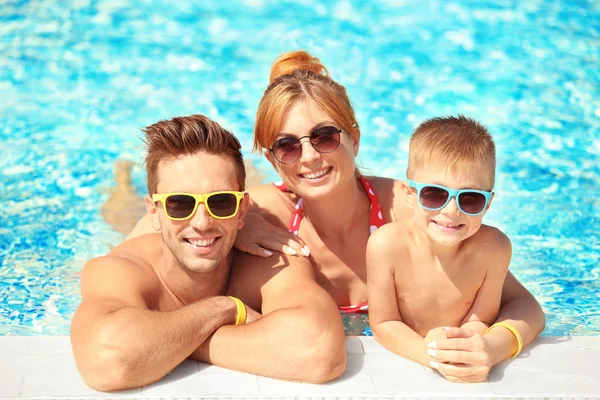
<point x="464" y="356"/>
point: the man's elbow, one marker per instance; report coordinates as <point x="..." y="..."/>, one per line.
<point x="107" y="374"/>
<point x="326" y="358"/>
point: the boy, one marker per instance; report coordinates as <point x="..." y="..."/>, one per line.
<point x="441" y="267"/>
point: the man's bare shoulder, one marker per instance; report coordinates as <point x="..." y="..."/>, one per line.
<point x="250" y="274"/>
<point x="128" y="266"/>
<point x="273" y="204"/>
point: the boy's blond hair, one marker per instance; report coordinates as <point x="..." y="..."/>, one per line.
<point x="459" y="143"/>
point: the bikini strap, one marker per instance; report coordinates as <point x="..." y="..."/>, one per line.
<point x="297" y="217"/>
<point x="375" y="214"/>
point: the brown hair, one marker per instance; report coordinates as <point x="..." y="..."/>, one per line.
<point x="456" y="142"/>
<point x="297" y="76"/>
<point x="166" y="140"/>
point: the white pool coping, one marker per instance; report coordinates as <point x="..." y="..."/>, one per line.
<point x="553" y="367"/>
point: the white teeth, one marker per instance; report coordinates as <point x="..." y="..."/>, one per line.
<point x="202" y="243"/>
<point x="447" y="225"/>
<point x="316" y="175"/>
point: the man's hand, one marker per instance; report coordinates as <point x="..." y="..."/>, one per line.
<point x="259" y="237"/>
<point x="465" y="356"/>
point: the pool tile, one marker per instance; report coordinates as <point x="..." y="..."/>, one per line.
<point x="354" y="345"/>
<point x="371" y="346"/>
<point x="38" y="364"/>
<point x="64" y="385"/>
<point x="187" y="367"/>
<point x="10" y="385"/>
<point x="233" y="384"/>
<point x="50" y="345"/>
<point x="10" y="345"/>
<point x="546" y="385"/>
<point x="355" y="385"/>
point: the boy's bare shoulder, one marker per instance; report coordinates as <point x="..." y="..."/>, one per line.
<point x="493" y="243"/>
<point x="389" y="239"/>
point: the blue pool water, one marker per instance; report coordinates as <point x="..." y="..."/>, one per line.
<point x="79" y="78"/>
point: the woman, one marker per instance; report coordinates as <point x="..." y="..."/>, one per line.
<point x="306" y="126"/>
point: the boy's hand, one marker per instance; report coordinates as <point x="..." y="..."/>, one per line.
<point x="465" y="356"/>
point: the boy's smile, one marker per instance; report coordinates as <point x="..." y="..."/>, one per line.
<point x="448" y="226"/>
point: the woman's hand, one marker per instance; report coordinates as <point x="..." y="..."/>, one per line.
<point x="259" y="237"/>
<point x="465" y="356"/>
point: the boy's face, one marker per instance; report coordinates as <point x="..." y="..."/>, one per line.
<point x="449" y="226"/>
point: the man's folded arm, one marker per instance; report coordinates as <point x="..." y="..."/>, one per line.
<point x="300" y="337"/>
<point x="119" y="343"/>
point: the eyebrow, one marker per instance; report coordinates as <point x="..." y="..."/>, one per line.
<point x="314" y="128"/>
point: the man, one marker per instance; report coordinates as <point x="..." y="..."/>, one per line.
<point x="160" y="298"/>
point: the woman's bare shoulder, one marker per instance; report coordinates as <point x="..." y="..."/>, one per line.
<point x="391" y="197"/>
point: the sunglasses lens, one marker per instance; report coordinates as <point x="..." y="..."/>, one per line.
<point x="222" y="204"/>
<point x="325" y="139"/>
<point x="471" y="202"/>
<point x="287" y="150"/>
<point x="433" y="197"/>
<point x="179" y="206"/>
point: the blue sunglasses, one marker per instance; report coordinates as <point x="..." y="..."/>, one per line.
<point x="435" y="197"/>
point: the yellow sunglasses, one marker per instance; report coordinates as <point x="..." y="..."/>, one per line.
<point x="182" y="206"/>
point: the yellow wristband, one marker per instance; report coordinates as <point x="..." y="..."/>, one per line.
<point x="513" y="330"/>
<point x="240" y="319"/>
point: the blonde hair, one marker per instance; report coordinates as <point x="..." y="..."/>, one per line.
<point x="167" y="140"/>
<point x="297" y="76"/>
<point x="455" y="142"/>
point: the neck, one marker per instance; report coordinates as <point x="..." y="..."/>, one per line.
<point x="337" y="216"/>
<point x="437" y="250"/>
<point x="188" y="286"/>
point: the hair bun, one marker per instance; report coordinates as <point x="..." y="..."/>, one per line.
<point x="296" y="60"/>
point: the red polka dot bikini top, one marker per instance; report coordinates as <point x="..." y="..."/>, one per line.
<point x="375" y="221"/>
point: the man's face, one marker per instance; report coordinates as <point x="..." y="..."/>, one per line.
<point x="201" y="242"/>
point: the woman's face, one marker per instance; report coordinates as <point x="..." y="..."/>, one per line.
<point x="315" y="174"/>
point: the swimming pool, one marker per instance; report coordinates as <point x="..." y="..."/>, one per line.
<point x="80" y="78"/>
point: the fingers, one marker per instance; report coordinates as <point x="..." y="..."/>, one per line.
<point x="462" y="371"/>
<point x="460" y="357"/>
<point x="257" y="250"/>
<point x="455" y="332"/>
<point x="474" y="343"/>
<point x="287" y="244"/>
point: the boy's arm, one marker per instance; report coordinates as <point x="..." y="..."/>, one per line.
<point x="384" y="314"/>
<point x="300" y="336"/>
<point x="119" y="343"/>
<point x="485" y="308"/>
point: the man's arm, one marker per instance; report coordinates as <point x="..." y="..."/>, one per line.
<point x="384" y="313"/>
<point x="485" y="307"/>
<point x="300" y="337"/>
<point x="119" y="343"/>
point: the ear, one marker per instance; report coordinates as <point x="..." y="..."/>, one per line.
<point x="244" y="205"/>
<point x="152" y="213"/>
<point x="408" y="193"/>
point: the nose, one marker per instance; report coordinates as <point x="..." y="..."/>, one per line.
<point x="309" y="154"/>
<point x="201" y="218"/>
<point x="451" y="208"/>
